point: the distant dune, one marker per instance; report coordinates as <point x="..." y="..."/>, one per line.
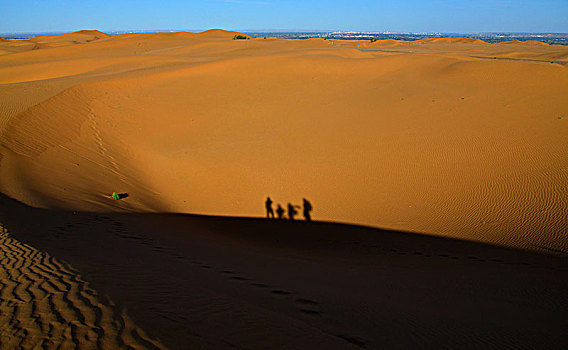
<point x="82" y="36"/>
<point x="451" y="41"/>
<point x="532" y="42"/>
<point x="450" y="136"/>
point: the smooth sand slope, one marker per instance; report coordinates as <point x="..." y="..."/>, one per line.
<point x="454" y="138"/>
<point x="434" y="136"/>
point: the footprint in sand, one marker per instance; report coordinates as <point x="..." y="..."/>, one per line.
<point x="352" y="340"/>
<point x="280" y="292"/>
<point x="239" y="278"/>
<point x="305" y="306"/>
<point x="309" y="307"/>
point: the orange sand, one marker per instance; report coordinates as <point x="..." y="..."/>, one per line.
<point x="449" y="137"/>
<point x="452" y="137"/>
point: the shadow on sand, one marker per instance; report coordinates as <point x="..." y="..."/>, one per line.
<point x="217" y="282"/>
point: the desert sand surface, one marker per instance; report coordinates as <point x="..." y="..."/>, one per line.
<point x="451" y="153"/>
<point x="46" y="304"/>
<point x="202" y="282"/>
<point x="453" y="137"/>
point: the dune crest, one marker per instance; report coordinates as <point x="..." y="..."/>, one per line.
<point x="220" y="33"/>
<point x="78" y="36"/>
<point x="450" y="41"/>
<point x="527" y="42"/>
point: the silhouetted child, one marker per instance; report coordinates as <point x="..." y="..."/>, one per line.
<point x="307" y="210"/>
<point x="269" y="211"/>
<point x="280" y="212"/>
<point x="292" y="211"/>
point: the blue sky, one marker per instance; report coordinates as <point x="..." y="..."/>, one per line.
<point x="457" y="16"/>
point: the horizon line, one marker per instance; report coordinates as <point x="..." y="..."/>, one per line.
<point x="141" y="31"/>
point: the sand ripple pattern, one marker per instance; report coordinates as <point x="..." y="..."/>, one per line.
<point x="45" y="304"/>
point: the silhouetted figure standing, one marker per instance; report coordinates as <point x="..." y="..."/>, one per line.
<point x="280" y="212"/>
<point x="291" y="211"/>
<point x="307" y="210"/>
<point x="269" y="211"/>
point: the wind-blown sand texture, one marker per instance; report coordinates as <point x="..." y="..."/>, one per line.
<point x="221" y="283"/>
<point x="454" y="138"/>
<point x="45" y="304"/>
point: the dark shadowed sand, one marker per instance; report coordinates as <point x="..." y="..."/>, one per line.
<point x="185" y="281"/>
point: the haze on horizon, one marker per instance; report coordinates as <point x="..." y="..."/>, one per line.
<point x="454" y="16"/>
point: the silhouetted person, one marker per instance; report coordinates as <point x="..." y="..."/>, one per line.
<point x="280" y="212"/>
<point x="269" y="211"/>
<point x="291" y="211"/>
<point x="307" y="210"/>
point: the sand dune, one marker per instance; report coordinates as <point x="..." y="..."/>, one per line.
<point x="50" y="41"/>
<point x="453" y="138"/>
<point x="46" y="304"/>
<point x="219" y="283"/>
<point x="450" y="41"/>
<point x="436" y="139"/>
<point x="13" y="46"/>
<point x="532" y="42"/>
<point x="82" y="36"/>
